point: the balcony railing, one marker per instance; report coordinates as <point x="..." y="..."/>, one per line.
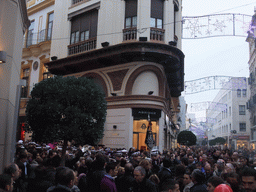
<point x="157" y="34"/>
<point x="130" y="34"/>
<point x="82" y="46"/>
<point x="77" y="1"/>
<point x="35" y="38"/>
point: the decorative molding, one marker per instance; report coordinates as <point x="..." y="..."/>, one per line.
<point x="117" y="78"/>
<point x="40" y="6"/>
<point x="138" y="71"/>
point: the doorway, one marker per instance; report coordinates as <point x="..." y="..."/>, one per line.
<point x="140" y="132"/>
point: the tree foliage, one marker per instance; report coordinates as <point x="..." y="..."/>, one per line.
<point x="218" y="140"/>
<point x="187" y="138"/>
<point x="67" y="108"/>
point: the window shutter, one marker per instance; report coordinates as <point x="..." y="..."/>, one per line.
<point x="93" y="23"/>
<point x="85" y="22"/>
<point x="157" y="7"/>
<point x="75" y="26"/>
<point x="131" y="8"/>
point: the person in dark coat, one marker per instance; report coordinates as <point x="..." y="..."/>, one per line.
<point x="198" y="179"/>
<point x="142" y="184"/>
<point x="96" y="173"/>
<point x="165" y="172"/>
<point x="65" y="180"/>
<point x="126" y="182"/>
<point x="26" y="171"/>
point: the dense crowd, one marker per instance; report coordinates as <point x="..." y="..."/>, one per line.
<point x="41" y="168"/>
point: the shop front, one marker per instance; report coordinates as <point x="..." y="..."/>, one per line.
<point x="242" y="141"/>
<point x="143" y="119"/>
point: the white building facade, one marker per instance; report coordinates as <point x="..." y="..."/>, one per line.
<point x="227" y="115"/>
<point x="13" y="24"/>
<point x="131" y="48"/>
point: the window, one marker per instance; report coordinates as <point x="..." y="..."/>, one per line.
<point x="30" y="34"/>
<point x="46" y="73"/>
<point x="84" y="27"/>
<point x="244" y="92"/>
<point x="49" y="26"/>
<point x="131" y="13"/>
<point x="238" y="92"/>
<point x="241" y="109"/>
<point x="229" y="111"/>
<point x="24" y="89"/>
<point x="156" y="20"/>
<point x="131" y="22"/>
<point x="242" y="127"/>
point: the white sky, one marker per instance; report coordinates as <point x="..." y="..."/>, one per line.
<point x="226" y="56"/>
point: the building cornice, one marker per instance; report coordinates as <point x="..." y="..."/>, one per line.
<point x="40" y="6"/>
<point x="24" y="15"/>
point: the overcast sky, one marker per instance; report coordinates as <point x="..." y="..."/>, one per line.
<point x="226" y="56"/>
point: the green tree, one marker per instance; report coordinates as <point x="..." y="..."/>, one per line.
<point x="187" y="138"/>
<point x="220" y="140"/>
<point x="67" y="108"/>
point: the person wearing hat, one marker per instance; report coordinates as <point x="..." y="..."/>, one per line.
<point x="155" y="162"/>
<point x="135" y="159"/>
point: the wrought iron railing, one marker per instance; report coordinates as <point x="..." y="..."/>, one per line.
<point x="130" y="34"/>
<point x="157" y="34"/>
<point x="82" y="46"/>
<point x="41" y="36"/>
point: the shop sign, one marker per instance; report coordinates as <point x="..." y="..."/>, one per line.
<point x="240" y="137"/>
<point x="143" y="113"/>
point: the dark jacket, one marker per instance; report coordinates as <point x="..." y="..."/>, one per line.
<point x="199" y="187"/>
<point x="163" y="175"/>
<point x="59" y="188"/>
<point x="145" y="186"/>
<point x="94" y="179"/>
<point x="125" y="183"/>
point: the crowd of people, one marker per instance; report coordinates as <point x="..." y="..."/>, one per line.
<point x="41" y="168"/>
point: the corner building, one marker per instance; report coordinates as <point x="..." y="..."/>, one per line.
<point x="132" y="49"/>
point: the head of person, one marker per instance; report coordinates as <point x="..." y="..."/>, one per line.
<point x="167" y="162"/>
<point x="248" y="178"/>
<point x="170" y="185"/>
<point x="23" y="157"/>
<point x="111" y="169"/>
<point x="154" y="178"/>
<point x="186" y="178"/>
<point x="6" y="182"/>
<point x="145" y="164"/>
<point x="244" y="161"/>
<point x="208" y="169"/>
<point x="213" y="182"/>
<point x="190" y="159"/>
<point x="220" y="164"/>
<point x="139" y="174"/>
<point x="235" y="156"/>
<point x="128" y="168"/>
<point x="229" y="168"/>
<point x="13" y="170"/>
<point x="65" y="176"/>
<point x="197" y="176"/>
